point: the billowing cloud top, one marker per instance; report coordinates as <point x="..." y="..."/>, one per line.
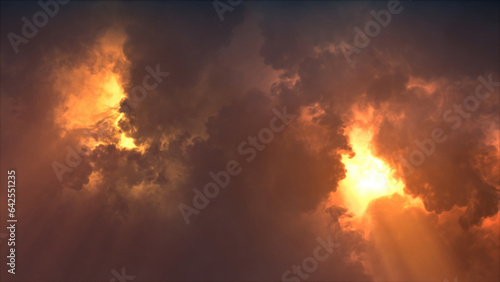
<point x="116" y="115"/>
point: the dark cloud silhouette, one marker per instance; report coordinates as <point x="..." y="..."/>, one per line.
<point x="119" y="206"/>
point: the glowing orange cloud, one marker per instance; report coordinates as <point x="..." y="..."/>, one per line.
<point x="367" y="177"/>
<point x="93" y="90"/>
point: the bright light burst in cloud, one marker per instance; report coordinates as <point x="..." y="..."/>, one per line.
<point x="367" y="177"/>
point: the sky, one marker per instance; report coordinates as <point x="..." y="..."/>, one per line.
<point x="250" y="140"/>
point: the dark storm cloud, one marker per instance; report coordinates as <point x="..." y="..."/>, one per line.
<point x="186" y="44"/>
<point x="443" y="52"/>
<point x="467" y="154"/>
<point x="436" y="43"/>
<point x="192" y="123"/>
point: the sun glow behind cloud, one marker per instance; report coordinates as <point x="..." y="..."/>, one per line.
<point x="368" y="177"/>
<point x="395" y="222"/>
<point x="93" y="92"/>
